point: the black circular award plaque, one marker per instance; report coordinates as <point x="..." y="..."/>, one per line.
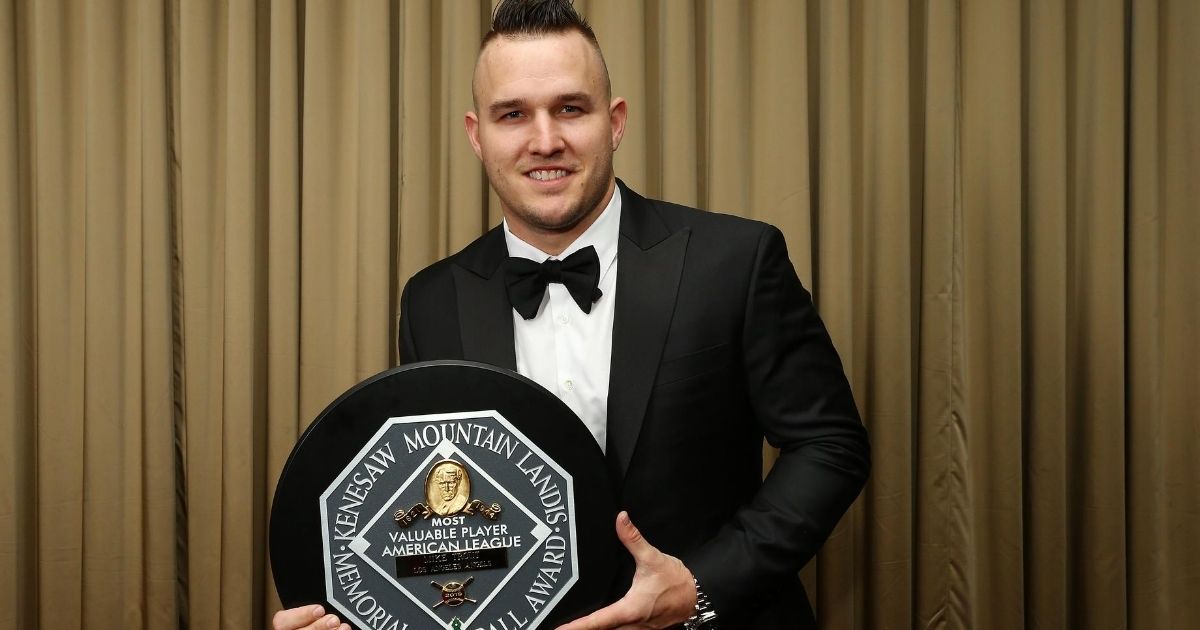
<point x="446" y="495"/>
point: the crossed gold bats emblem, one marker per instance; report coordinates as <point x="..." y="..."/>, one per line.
<point x="453" y="593"/>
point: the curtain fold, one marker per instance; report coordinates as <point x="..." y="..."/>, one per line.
<point x="284" y="22"/>
<point x="88" y="490"/>
<point x="18" y="525"/>
<point x="208" y="211"/>
<point x="937" y="598"/>
<point x="1162" y="309"/>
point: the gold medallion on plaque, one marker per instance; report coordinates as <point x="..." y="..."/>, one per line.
<point x="447" y="488"/>
<point x="447" y="492"/>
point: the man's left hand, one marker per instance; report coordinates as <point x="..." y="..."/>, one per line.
<point x="663" y="592"/>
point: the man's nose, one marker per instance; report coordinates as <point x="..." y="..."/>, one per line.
<point x="547" y="136"/>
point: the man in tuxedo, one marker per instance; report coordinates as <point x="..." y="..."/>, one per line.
<point x="680" y="337"/>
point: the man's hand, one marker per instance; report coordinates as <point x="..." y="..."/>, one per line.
<point x="663" y="592"/>
<point x="306" y="618"/>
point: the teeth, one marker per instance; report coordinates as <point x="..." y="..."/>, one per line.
<point x="545" y="176"/>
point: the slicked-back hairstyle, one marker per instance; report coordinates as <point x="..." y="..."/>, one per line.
<point x="531" y="19"/>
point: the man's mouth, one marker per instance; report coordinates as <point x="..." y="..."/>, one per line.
<point x="546" y="175"/>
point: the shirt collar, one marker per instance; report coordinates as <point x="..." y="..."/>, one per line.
<point x="601" y="234"/>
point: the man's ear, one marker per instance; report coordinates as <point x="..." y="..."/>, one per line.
<point x="618" y="111"/>
<point x="471" y="122"/>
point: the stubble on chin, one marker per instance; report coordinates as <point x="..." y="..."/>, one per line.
<point x="547" y="225"/>
<point x="570" y="219"/>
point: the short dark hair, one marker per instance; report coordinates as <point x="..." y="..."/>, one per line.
<point x="535" y="18"/>
<point x="531" y="19"/>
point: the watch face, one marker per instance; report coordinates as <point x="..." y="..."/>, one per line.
<point x="446" y="495"/>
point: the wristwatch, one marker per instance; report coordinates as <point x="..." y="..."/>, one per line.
<point x="705" y="617"/>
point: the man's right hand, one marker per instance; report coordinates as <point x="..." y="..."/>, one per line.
<point x="306" y="618"/>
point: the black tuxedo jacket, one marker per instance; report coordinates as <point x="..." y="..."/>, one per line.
<point x="715" y="345"/>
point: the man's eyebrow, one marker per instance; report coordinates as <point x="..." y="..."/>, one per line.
<point x="512" y="103"/>
<point x="517" y="103"/>
<point x="575" y="97"/>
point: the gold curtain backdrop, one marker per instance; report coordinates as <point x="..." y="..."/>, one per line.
<point x="208" y="208"/>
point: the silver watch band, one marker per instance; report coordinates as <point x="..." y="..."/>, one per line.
<point x="705" y="617"/>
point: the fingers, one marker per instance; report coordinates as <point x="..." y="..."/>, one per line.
<point x="616" y="615"/>
<point x="293" y="618"/>
<point x="662" y="594"/>
<point x="306" y="618"/>
<point x="641" y="550"/>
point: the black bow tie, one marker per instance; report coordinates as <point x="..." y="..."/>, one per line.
<point x="527" y="280"/>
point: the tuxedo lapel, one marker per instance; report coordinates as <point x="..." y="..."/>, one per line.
<point x="484" y="312"/>
<point x="649" y="263"/>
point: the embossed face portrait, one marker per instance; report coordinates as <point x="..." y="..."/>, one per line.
<point x="447" y="488"/>
<point x="447" y="480"/>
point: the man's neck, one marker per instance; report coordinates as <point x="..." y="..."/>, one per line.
<point x="554" y="243"/>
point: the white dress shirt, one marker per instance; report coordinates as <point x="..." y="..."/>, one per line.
<point x="562" y="348"/>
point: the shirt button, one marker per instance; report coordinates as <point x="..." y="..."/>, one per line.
<point x="569" y="385"/>
<point x="562" y="319"/>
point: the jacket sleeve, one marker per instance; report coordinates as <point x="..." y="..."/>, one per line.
<point x="803" y="404"/>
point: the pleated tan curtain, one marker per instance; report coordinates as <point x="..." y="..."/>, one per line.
<point x="208" y="209"/>
<point x="87" y="493"/>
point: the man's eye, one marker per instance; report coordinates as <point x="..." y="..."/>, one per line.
<point x="571" y="109"/>
<point x="511" y="116"/>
